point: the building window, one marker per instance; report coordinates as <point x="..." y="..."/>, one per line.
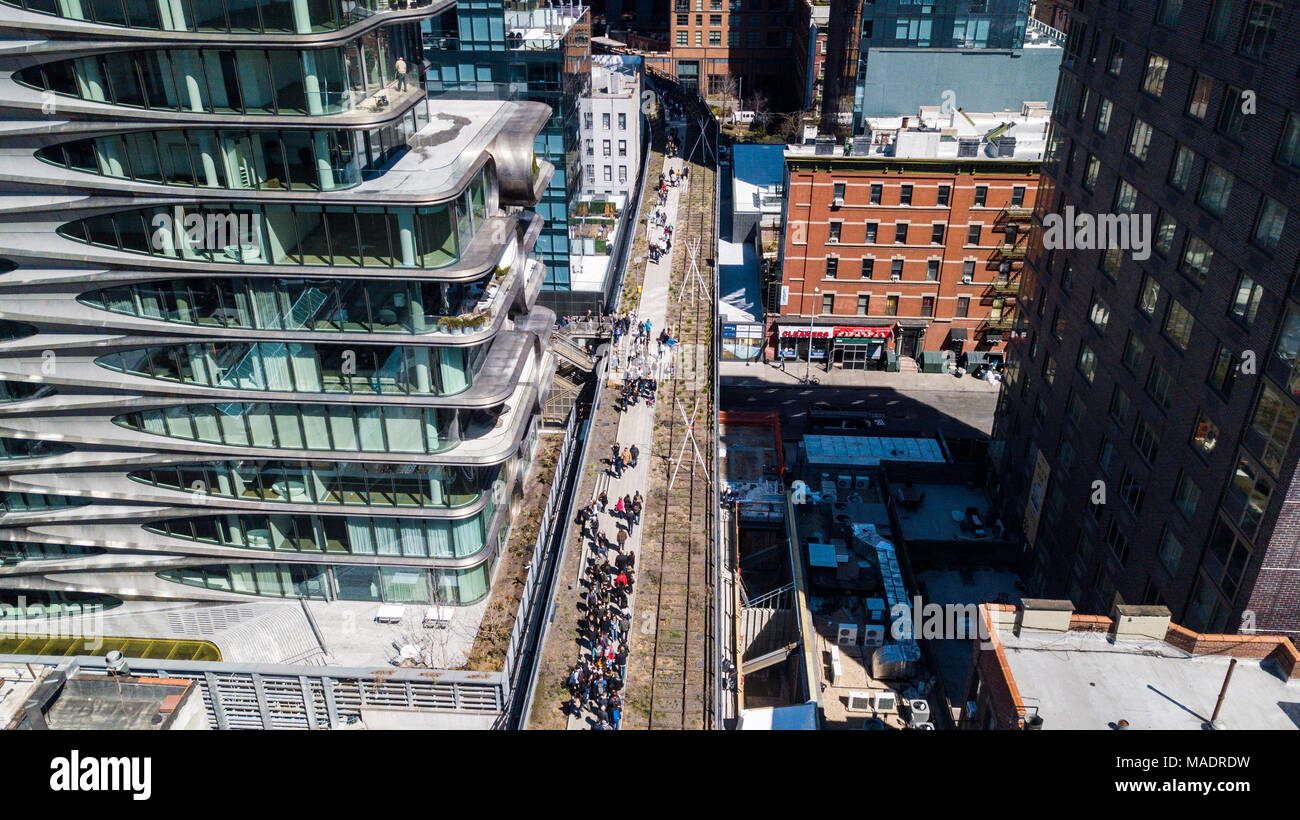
<point x="905" y="195"/>
<point x="622" y="122"/>
<point x="586" y="121"/>
<point x="1133" y="351"/>
<point x="715" y="37"/>
<point x="1233" y="119"/>
<point x="1132" y="492"/>
<point x="1270" y="224"/>
<point x="973" y="234"/>
<point x="605" y="147"/>
<point x="1247" y="498"/>
<point x="1106" y="454"/>
<point x="1119" y="405"/>
<point x="891" y="305"/>
<point x="622" y="148"/>
<point x="622" y="173"/>
<point x="1205" y="436"/>
<point x="936" y="233"/>
<point x="1145" y="440"/>
<point x="1049" y="371"/>
<point x="1153" y="81"/>
<point x="1115" y="62"/>
<point x="832" y="266"/>
<point x="1125" y="197"/>
<point x="1160" y="384"/>
<point x="864" y="300"/>
<point x="1180" y="169"/>
<point x="932" y="270"/>
<point x="1198" y="103"/>
<point x="681" y="38"/>
<point x="1139" y="141"/>
<point x="828" y="303"/>
<point x="1169" y="12"/>
<point x="871" y="232"/>
<point x="876" y="191"/>
<point x="1179" y="324"/>
<point x="963" y="307"/>
<point x="927" y="305"/>
<point x="1102" y="124"/>
<point x="1288" y="148"/>
<point x="1271" y="428"/>
<point x="1018" y="196"/>
<point x="1166" y="228"/>
<point x="968" y="270"/>
<point x="1170" y="552"/>
<point x="834" y="235"/>
<point x="1245" y="304"/>
<point x="1197" y="258"/>
<point x="1260" y="30"/>
<point x="609" y="173"/>
<point x="1216" y="31"/>
<point x="900" y="233"/>
<point x="868" y="264"/>
<point x="1117" y="541"/>
<point x="1216" y="190"/>
<point x="945" y="192"/>
<point x="1099" y="314"/>
<point x="1186" y="496"/>
<point x="1091" y="170"/>
<point x="1087" y="364"/>
<point x="896" y="269"/>
<point x="981" y="195"/>
<point x="604" y="121"/>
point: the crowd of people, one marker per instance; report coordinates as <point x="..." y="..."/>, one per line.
<point x="659" y="218"/>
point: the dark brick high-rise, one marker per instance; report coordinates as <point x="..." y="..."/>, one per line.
<point x="1173" y="380"/>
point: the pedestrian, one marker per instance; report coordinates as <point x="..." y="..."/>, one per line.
<point x="622" y="539"/>
<point x="620" y="506"/>
<point x="627" y="456"/>
<point x="604" y="500"/>
<point x="400" y="67"/>
<point x="633" y="450"/>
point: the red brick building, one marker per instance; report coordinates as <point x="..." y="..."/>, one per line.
<point x="902" y="246"/>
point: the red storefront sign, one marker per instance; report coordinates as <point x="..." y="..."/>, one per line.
<point x="863" y="332"/>
<point x="788" y="332"/>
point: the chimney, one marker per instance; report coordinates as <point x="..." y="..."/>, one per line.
<point x="1045" y="615"/>
<point x="1139" y="623"/>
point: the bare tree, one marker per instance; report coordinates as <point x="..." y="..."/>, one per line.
<point x="759" y="104"/>
<point x="416" y="645"/>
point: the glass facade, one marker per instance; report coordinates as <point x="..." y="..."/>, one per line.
<point x="346" y="305"/>
<point x="233" y="16"/>
<point x="307" y="367"/>
<point x="238" y="81"/>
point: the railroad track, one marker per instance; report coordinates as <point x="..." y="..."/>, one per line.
<point x="681" y="668"/>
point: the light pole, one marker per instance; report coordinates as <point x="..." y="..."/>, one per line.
<point x="812" y="314"/>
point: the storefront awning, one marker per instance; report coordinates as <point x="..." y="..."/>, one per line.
<point x="863" y="332"/>
<point x="957" y="334"/>
<point x="993" y="338"/>
<point x="796" y="332"/>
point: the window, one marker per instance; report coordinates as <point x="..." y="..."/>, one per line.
<point x="622" y="122"/>
<point x="1106" y="455"/>
<point x="1269" y="224"/>
<point x="1166" y="228"/>
<point x="1145" y="440"/>
<point x="973" y="234"/>
<point x="1233" y="120"/>
<point x="945" y="191"/>
<point x="876" y="190"/>
<point x="1258" y="34"/>
<point x="715" y="37"/>
<point x="1245" y="304"/>
<point x="1216" y="31"/>
<point x="1272" y="428"/>
<point x="1160" y="384"/>
<point x="1139" y="141"/>
<point x="832" y="266"/>
<point x="604" y="121"/>
<point x="1091" y="170"/>
<point x="896" y="268"/>
<point x="905" y="195"/>
<point x="1076" y="409"/>
<point x="1087" y="363"/>
<point x="1205" y="436"/>
<point x="1198" y="103"/>
<point x="1049" y="371"/>
<point x="1197" y="257"/>
<point x="835" y="231"/>
<point x="1288" y="149"/>
<point x="1153" y="81"/>
<point x="609" y="173"/>
<point x="622" y="148"/>
<point x="1067" y="277"/>
<point x="981" y="195"/>
<point x="1018" y="196"/>
<point x="1059" y="324"/>
<point x="927" y="305"/>
<point x="1132" y="492"/>
<point x="1111" y="260"/>
<point x="1099" y="314"/>
<point x="1102" y="124"/>
<point x="1186" y="496"/>
<point x="1180" y="169"/>
<point x="1118" y="543"/>
<point x="864" y="300"/>
<point x="1179" y="324"/>
<point x="1115" y="62"/>
<point x="1125" y="197"/>
<point x="1133" y="350"/>
<point x="868" y="264"/>
<point x="605" y="147"/>
<point x="1247" y="498"/>
<point x="963" y="307"/>
<point x="1170" y="552"/>
<point x="932" y="270"/>
<point x="1223" y="370"/>
<point x="936" y="233"/>
<point x="968" y="270"/>
<point x="1169" y="12"/>
<point x="837" y="191"/>
<point x="871" y="232"/>
<point x="1119" y="405"/>
<point x="828" y="303"/>
<point x="1216" y="189"/>
<point x="622" y="173"/>
<point x="891" y="305"/>
<point x="900" y="233"/>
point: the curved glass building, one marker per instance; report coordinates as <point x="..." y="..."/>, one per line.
<point x="267" y="318"/>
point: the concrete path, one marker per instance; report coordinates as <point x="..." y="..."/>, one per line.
<point x="636" y="423"/>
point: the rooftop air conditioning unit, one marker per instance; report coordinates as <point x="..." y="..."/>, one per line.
<point x="886" y="701"/>
<point x="861" y="482"/>
<point x="848" y="635"/>
<point x="844" y="482"/>
<point x="873" y="636"/>
<point x="859" y="702"/>
<point x="920" y="711"/>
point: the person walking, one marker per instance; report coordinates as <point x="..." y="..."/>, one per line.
<point x="604" y="500"/>
<point x="622" y="539"/>
<point x="619" y="507"/>
<point x="400" y="67"/>
<point x="627" y="454"/>
<point x="634" y="450"/>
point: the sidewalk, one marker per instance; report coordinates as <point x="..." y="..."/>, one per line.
<point x="635" y="426"/>
<point x="767" y="374"/>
